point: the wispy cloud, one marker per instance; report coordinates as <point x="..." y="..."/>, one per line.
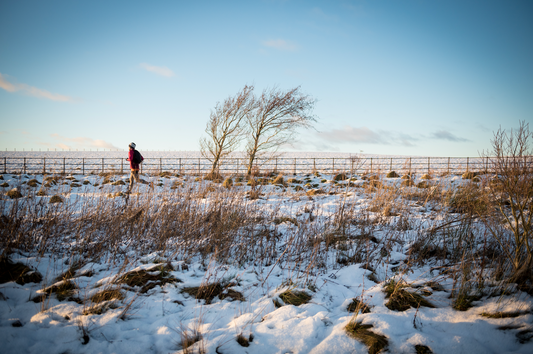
<point x="158" y="70"/>
<point x="446" y="135"/>
<point x="280" y="44"/>
<point x="81" y="142"/>
<point x="364" y="135"/>
<point x="32" y="91"/>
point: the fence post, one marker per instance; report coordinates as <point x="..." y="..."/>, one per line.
<point x="370" y="165"/>
<point x="102" y="165"/>
<point x="314" y="164"/>
<point x="276" y="165"/>
<point x="333" y="168"/>
<point x="448" y="165"/>
<point x="63" y="165"/>
<point x="428" y="165"/>
<point x="295" y="165"/>
<point x="44" y="166"/>
<point x="24" y="165"/>
<point x="467" y="163"/>
<point x="121" y="165"/>
<point x="180" y="166"/>
<point x="409" y="167"/>
<point x="198" y="167"/>
<point x="391" y="164"/>
<point x="160" y="165"/>
<point x="83" y="166"/>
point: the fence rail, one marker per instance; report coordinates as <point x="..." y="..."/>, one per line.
<point x="199" y="166"/>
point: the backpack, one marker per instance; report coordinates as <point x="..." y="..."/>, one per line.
<point x="137" y="157"/>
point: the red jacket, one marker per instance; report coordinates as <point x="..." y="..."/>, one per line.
<point x="133" y="166"/>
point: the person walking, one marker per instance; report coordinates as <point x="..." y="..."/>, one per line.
<point x="135" y="158"/>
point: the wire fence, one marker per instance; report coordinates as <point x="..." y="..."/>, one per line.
<point x="236" y="166"/>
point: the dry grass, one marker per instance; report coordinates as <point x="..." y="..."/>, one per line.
<point x="295" y="297"/>
<point x="376" y="343"/>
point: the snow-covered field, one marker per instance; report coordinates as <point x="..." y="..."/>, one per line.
<point x="333" y="241"/>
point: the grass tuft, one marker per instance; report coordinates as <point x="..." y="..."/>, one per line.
<point x="375" y="342"/>
<point x="149" y="279"/>
<point x="243" y="341"/>
<point x="18" y="273"/>
<point x="359" y="306"/>
<point x="14" y="194"/>
<point x="56" y="199"/>
<point x="401" y="299"/>
<point x="422" y="349"/>
<point x="295" y="297"/>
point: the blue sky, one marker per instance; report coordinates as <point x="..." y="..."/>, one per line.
<point x="430" y="78"/>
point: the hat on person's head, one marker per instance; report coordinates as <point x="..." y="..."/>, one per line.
<point x="132" y="145"/>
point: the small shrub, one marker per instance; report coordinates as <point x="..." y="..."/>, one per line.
<point x="294" y="297"/>
<point x="86" y="182"/>
<point x="406" y="176"/>
<point x="375" y="342"/>
<point x="14" y="194"/>
<point x="392" y="174"/>
<point x="425" y="176"/>
<point x="4" y="185"/>
<point x="56" y="199"/>
<point x="76" y="185"/>
<point x="116" y="183"/>
<point x="293" y="181"/>
<point x="41" y="192"/>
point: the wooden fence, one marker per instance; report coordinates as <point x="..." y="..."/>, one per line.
<point x="286" y="165"/>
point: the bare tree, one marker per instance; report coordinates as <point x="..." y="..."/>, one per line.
<point x="225" y="129"/>
<point x="273" y="122"/>
<point x="512" y="192"/>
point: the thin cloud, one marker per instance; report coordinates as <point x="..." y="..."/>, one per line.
<point x="158" y="70"/>
<point x="364" y="135"/>
<point x="81" y="142"/>
<point x="280" y="44"/>
<point x="32" y="91"/>
<point x="446" y="135"/>
<point x="350" y="134"/>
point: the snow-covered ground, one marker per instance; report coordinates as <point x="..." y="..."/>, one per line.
<point x="156" y="320"/>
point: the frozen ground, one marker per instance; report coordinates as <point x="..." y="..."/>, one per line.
<point x="155" y="321"/>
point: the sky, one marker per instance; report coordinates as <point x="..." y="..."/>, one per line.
<point x="410" y="77"/>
